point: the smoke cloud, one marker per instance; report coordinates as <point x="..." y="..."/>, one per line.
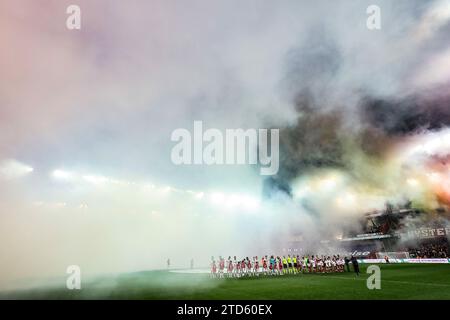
<point x="363" y="117"/>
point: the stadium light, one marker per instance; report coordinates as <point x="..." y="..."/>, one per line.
<point x="165" y="190"/>
<point x="328" y="180"/>
<point x="14" y="169"/>
<point x="61" y="174"/>
<point x="95" y="179"/>
<point x="217" y="198"/>
<point x="233" y="200"/>
<point x="148" y="187"/>
<point x="199" y="195"/>
<point x="412" y="182"/>
<point x="250" y="203"/>
<point x="346" y="201"/>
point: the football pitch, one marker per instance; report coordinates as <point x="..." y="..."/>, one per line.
<point x="399" y="281"/>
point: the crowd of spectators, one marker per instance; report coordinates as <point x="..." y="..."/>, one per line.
<point x="438" y="249"/>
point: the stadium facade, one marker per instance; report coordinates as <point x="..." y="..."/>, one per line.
<point x="393" y="232"/>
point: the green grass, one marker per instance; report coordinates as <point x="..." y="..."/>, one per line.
<point x="402" y="281"/>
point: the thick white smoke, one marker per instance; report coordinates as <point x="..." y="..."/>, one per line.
<point x="101" y="103"/>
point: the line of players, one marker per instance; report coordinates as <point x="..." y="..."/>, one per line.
<point x="275" y="265"/>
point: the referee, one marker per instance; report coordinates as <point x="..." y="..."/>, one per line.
<point x="355" y="265"/>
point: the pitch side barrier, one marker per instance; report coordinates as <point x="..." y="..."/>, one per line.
<point x="404" y="260"/>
